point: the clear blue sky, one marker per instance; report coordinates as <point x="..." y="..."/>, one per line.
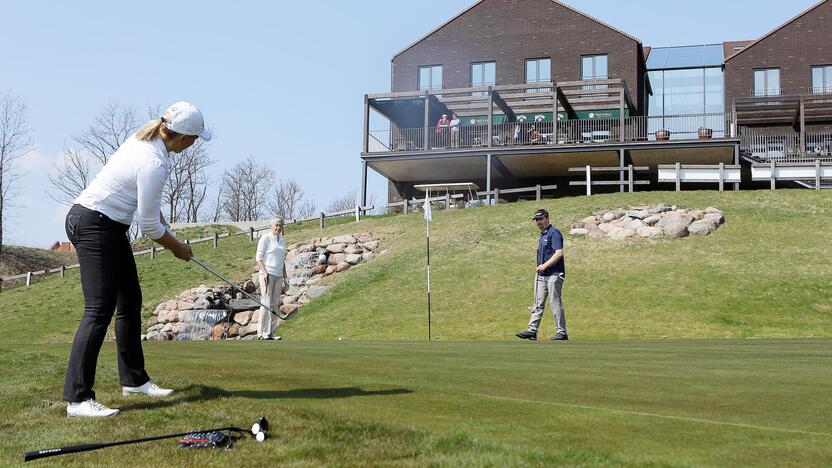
<point x="282" y="81"/>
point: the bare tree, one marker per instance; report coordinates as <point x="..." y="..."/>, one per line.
<point x="289" y="202"/>
<point x="72" y="175"/>
<point x="247" y="186"/>
<point x="215" y="208"/>
<point x="14" y="144"/>
<point x="111" y="127"/>
<point x="344" y="202"/>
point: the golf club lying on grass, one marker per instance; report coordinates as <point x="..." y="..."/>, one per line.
<point x="198" y="438"/>
<point x="238" y="288"/>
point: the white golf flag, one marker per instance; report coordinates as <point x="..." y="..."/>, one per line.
<point x="428" y="214"/>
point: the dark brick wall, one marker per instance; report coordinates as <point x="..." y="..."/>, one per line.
<point x="510" y="31"/>
<point x="794" y="49"/>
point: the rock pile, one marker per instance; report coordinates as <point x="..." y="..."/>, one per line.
<point x="648" y="222"/>
<point x="215" y="312"/>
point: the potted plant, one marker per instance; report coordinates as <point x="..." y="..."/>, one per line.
<point x="705" y="133"/>
<point x="662" y="134"/>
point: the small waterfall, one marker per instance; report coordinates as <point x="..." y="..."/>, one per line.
<point x="198" y="325"/>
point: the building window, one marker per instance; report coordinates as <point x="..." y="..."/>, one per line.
<point x="539" y="71"/>
<point x="430" y="77"/>
<point x="594" y="67"/>
<point x="483" y="74"/>
<point x="767" y="82"/>
<point x="822" y="79"/>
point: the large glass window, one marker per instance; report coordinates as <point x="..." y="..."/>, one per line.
<point x="483" y="74"/>
<point x="539" y="71"/>
<point x="767" y="82"/>
<point x="430" y="77"/>
<point x="822" y="79"/>
<point x="683" y="100"/>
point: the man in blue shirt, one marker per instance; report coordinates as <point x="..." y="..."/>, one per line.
<point x="549" y="279"/>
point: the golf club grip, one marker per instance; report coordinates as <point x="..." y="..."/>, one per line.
<point x="29" y="456"/>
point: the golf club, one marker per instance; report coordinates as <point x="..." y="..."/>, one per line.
<point x="534" y="300"/>
<point x="238" y="288"/>
<point x="259" y="435"/>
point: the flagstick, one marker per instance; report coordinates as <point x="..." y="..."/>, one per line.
<point x="427" y="240"/>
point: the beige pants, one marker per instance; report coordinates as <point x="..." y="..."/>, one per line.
<point x="551" y="286"/>
<point x="270" y="296"/>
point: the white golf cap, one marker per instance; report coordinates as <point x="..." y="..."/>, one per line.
<point x="184" y="118"/>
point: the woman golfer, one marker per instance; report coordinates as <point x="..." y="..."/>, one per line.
<point x="130" y="183"/>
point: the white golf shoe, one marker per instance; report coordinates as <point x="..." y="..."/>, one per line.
<point x="149" y="389"/>
<point x="89" y="409"/>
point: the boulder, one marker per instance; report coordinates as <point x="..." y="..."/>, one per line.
<point x="579" y="232"/>
<point x="610" y="216"/>
<point x="367" y="256"/>
<point x="372" y="245"/>
<point x="202" y="304"/>
<point x="652" y="220"/>
<point x="217" y="331"/>
<point x="289" y="300"/>
<point x="606" y="228"/>
<point x="288" y="309"/>
<point x="675" y="229"/>
<point x="324" y="242"/>
<point x="319" y="269"/>
<point x="329" y="270"/>
<point x="620" y="234"/>
<point x="336" y="248"/>
<point x="635" y="224"/>
<point x="589" y="219"/>
<point x="343" y="266"/>
<point x="238" y="305"/>
<point x="600" y="212"/>
<point x="250" y="286"/>
<point x="649" y="232"/>
<point x="715" y="218"/>
<point x="185" y="315"/>
<point x="638" y="214"/>
<point x="364" y="238"/>
<point x="243" y="318"/>
<point x="167" y="328"/>
<point x="185" y="305"/>
<point x="160" y="308"/>
<point x="293" y="291"/>
<point x="696" y="214"/>
<point x="353" y="259"/>
<point x="155" y="328"/>
<point x="233" y="331"/>
<point x="353" y="249"/>
<point x="248" y="330"/>
<point x="711" y="209"/>
<point x="596" y="234"/>
<point x="316" y="292"/>
<point x="337" y="258"/>
<point x="344" y="239"/>
<point x="152" y="336"/>
<point x="171" y="304"/>
<point x="684" y="220"/>
<point x="172" y="316"/>
<point x="701" y="228"/>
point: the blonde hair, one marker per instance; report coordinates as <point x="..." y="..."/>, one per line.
<point x="276" y="221"/>
<point x="154" y="128"/>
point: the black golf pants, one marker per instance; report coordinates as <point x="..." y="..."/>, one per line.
<point x="110" y="283"/>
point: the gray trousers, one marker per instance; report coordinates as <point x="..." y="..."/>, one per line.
<point x="548" y="286"/>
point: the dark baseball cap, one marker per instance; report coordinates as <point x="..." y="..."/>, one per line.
<point x="541" y="213"/>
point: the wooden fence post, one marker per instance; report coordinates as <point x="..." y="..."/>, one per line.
<point x="216" y="240"/>
<point x="405" y="205"/>
<point x="63" y="271"/>
<point x="678" y="177"/>
<point x="630" y="177"/>
<point x="496" y="196"/>
<point x="537" y="192"/>
<point x="588" y="180"/>
<point x="251" y="233"/>
<point x="721" y="176"/>
<point x="323" y="216"/>
<point x="447" y="200"/>
<point x="357" y="216"/>
<point x="152" y="251"/>
<point x="28" y="278"/>
<point x="772" y="165"/>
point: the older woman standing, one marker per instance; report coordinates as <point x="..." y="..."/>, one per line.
<point x="131" y="182"/>
<point x="271" y="253"/>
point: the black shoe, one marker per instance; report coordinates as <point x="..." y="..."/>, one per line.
<point x="560" y="337"/>
<point x="527" y="335"/>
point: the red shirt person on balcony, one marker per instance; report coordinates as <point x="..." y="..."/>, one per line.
<point x="442" y="128"/>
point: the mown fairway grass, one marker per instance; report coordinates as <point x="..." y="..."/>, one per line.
<point x="592" y="403"/>
<point x="644" y="380"/>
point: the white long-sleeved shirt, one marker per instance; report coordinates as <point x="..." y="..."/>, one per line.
<point x="131" y="182"/>
<point x="271" y="250"/>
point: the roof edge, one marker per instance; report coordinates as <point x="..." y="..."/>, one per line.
<point x="574" y="10"/>
<point x="778" y="28"/>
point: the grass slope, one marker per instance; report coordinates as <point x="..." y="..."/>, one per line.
<point x="764" y="274"/>
<point x="591" y="403"/>
<point x="17" y="260"/>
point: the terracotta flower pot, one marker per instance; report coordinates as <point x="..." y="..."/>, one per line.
<point x="705" y="133"/>
<point x="662" y="135"/>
